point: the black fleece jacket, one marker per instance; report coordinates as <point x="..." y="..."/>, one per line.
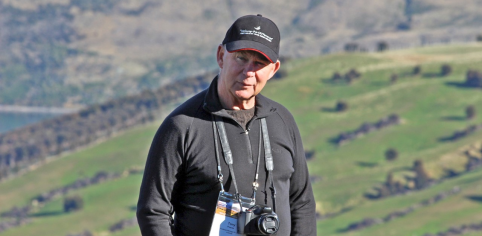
<point x="181" y="169"/>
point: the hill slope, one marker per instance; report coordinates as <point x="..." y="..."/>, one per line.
<point x="71" y="53"/>
<point x="431" y="108"/>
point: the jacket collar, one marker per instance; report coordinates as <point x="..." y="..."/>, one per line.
<point x="263" y="106"/>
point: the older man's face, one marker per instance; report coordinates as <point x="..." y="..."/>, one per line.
<point x="243" y="74"/>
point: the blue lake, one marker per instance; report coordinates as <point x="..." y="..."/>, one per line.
<point x="11" y="121"/>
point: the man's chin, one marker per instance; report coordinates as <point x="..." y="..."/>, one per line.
<point x="244" y="96"/>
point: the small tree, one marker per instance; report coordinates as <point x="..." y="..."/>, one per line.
<point x="309" y="155"/>
<point x="421" y="177"/>
<point x="353" y="73"/>
<point x="351" y="47"/>
<point x="341" y="106"/>
<point x="394" y="186"/>
<point x="404" y="26"/>
<point x="391" y="154"/>
<point x="473" y="79"/>
<point x="479" y="38"/>
<point x="445" y="70"/>
<point x="470" y="112"/>
<point x="393" y="78"/>
<point x="383" y="191"/>
<point x="336" y="76"/>
<point x="73" y="203"/>
<point x="382" y="46"/>
<point x="417" y="70"/>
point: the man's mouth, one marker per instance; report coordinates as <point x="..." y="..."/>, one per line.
<point x="245" y="85"/>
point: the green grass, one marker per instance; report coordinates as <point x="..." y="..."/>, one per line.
<point x="115" y="155"/>
<point x="104" y="205"/>
<point x="431" y="108"/>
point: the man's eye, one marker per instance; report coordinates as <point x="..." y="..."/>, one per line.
<point x="259" y="63"/>
<point x="242" y="58"/>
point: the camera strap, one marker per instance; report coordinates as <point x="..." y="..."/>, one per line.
<point x="216" y="147"/>
<point x="228" y="155"/>
<point x="268" y="156"/>
<point x="220" y="130"/>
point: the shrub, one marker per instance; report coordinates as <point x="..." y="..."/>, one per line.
<point x="417" y="70"/>
<point x="404" y="26"/>
<point x="470" y="112"/>
<point x="394" y="186"/>
<point x="336" y="76"/>
<point x="353" y="73"/>
<point x="479" y="38"/>
<point x="351" y="47"/>
<point x="393" y="78"/>
<point x="473" y="79"/>
<point x="73" y="203"/>
<point x="391" y="154"/>
<point x="382" y="46"/>
<point x="309" y="155"/>
<point x="421" y="177"/>
<point x="445" y="70"/>
<point x="341" y="106"/>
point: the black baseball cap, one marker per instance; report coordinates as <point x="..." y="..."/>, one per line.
<point x="255" y="33"/>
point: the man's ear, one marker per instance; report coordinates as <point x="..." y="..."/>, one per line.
<point x="220" y="55"/>
<point x="276" y="68"/>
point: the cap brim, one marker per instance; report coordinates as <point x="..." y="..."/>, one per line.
<point x="252" y="45"/>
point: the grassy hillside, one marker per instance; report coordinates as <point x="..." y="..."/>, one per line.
<point x="431" y="107"/>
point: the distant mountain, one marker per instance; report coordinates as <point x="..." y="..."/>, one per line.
<point x="75" y="52"/>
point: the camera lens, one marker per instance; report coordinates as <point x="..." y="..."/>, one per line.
<point x="268" y="224"/>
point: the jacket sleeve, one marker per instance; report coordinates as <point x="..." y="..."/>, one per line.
<point x="159" y="184"/>
<point x="302" y="201"/>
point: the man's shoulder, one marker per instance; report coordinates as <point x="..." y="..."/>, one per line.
<point x="278" y="107"/>
<point x="187" y="111"/>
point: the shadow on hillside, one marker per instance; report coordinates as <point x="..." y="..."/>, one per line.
<point x="47" y="214"/>
<point x="446" y="139"/>
<point x="459" y="85"/>
<point x="334" y="140"/>
<point x="475" y="198"/>
<point x="431" y="75"/>
<point x="332" y="82"/>
<point x="401" y="168"/>
<point x="328" y="109"/>
<point x="333" y="214"/>
<point x="366" y="164"/>
<point x="454" y="118"/>
<point x="450" y="173"/>
<point x="343" y="230"/>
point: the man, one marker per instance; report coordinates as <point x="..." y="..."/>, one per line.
<point x="184" y="164"/>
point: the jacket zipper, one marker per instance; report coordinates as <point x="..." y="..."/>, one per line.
<point x="248" y="144"/>
<point x="250" y="152"/>
<point x="247" y="140"/>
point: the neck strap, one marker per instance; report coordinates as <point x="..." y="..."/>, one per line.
<point x="219" y="130"/>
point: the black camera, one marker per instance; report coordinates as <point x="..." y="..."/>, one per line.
<point x="258" y="220"/>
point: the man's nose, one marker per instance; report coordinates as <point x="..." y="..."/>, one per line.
<point x="250" y="69"/>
